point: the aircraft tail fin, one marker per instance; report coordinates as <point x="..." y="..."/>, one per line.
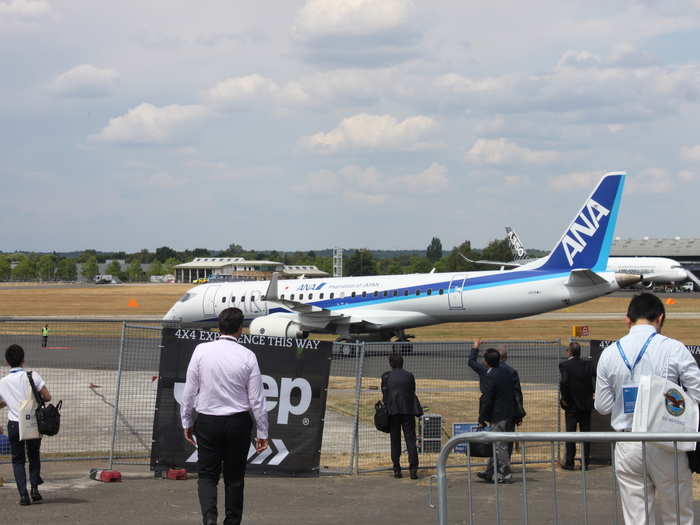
<point x="517" y="247"/>
<point x="586" y="242"/>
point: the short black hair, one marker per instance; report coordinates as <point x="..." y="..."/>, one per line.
<point x="645" y="306"/>
<point x="492" y="357"/>
<point x="575" y="349"/>
<point x="14" y="355"/>
<point x="395" y="360"/>
<point x="230" y="320"/>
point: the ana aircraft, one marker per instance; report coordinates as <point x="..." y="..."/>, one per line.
<point x="384" y="306"/>
<point x="656" y="270"/>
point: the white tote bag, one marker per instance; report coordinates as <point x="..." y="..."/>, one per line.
<point x="663" y="406"/>
<point x="28" y="427"/>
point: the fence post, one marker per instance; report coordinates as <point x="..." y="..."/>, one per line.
<point x="116" y="396"/>
<point x="355" y="457"/>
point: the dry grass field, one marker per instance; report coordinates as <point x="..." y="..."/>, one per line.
<point x="156" y="299"/>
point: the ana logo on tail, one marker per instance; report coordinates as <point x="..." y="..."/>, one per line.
<point x="573" y="241"/>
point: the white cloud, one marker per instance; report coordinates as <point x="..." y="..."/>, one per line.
<point x="458" y="84"/>
<point x="350" y="17"/>
<point x="85" y="80"/>
<point x="584" y="59"/>
<point x="502" y="151"/>
<point x="239" y="90"/>
<point x="651" y="180"/>
<point x="370" y="186"/>
<point x="687" y="176"/>
<point x="149" y="124"/>
<point x="515" y="180"/>
<point x="691" y="153"/>
<point x="373" y="132"/>
<point x="576" y="179"/>
<point x="24" y="9"/>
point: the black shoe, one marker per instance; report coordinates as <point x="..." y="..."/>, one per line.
<point x="397" y="473"/>
<point x="484" y="475"/>
<point x="35" y="494"/>
<point x="24" y="499"/>
<point x="567" y="466"/>
<point x="414" y="474"/>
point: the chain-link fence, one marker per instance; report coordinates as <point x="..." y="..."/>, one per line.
<point x="106" y="373"/>
<point x="449" y="393"/>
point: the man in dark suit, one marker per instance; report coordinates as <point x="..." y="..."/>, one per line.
<point x="576" y="386"/>
<point x="499" y="409"/>
<point x="399" y="393"/>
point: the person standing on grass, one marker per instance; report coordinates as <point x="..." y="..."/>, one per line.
<point x="13" y="392"/>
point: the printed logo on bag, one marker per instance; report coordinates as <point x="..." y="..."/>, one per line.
<point x="675" y="403"/>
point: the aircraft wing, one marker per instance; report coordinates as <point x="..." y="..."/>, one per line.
<point x="512" y="264"/>
<point x="584" y="278"/>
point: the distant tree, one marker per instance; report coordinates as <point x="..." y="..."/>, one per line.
<point x="169" y="266"/>
<point x="90" y="269"/>
<point x="164" y="253"/>
<point x="421" y="265"/>
<point x="233" y="250"/>
<point x="434" y="250"/>
<point x="134" y="271"/>
<point x="46" y="267"/>
<point x="67" y="270"/>
<point x="114" y="268"/>
<point x="156" y="268"/>
<point x="201" y="252"/>
<point x="145" y="256"/>
<point x="454" y="262"/>
<point x="25" y="269"/>
<point x="361" y="262"/>
<point x="85" y="256"/>
<point x="497" y="250"/>
<point x="5" y="268"/>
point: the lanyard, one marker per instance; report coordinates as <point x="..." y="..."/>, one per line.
<point x="18" y="370"/>
<point x="639" y="356"/>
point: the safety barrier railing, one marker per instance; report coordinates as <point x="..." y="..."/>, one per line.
<point x="554" y="438"/>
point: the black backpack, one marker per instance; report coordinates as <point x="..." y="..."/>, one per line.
<point x="48" y="417"/>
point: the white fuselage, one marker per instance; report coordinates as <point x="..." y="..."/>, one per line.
<point x="399" y="301"/>
<point x="656" y="269"/>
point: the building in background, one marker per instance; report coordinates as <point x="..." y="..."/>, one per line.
<point x="240" y="269"/>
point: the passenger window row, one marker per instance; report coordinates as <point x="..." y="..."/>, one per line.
<point x="394" y="293"/>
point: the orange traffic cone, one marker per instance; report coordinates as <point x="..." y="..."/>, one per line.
<point x="133" y="303"/>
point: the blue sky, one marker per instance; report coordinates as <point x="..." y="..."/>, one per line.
<point x="354" y="123"/>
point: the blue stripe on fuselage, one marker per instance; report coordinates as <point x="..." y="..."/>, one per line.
<point x="474" y="283"/>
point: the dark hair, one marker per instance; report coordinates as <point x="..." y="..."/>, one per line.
<point x="575" y="349"/>
<point x="492" y="357"/>
<point x="645" y="306"/>
<point x="230" y="320"/>
<point x="14" y="355"/>
<point x="395" y="360"/>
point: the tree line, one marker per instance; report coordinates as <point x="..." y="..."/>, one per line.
<point x="32" y="266"/>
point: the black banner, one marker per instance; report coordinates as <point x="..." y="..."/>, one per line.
<point x="295" y="381"/>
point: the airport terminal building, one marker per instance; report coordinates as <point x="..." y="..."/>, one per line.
<point x="240" y="269"/>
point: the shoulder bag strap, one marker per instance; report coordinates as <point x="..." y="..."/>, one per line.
<point x="37" y="396"/>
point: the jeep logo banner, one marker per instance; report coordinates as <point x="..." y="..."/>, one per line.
<point x="295" y="381"/>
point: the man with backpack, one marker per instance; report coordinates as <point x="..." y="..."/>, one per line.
<point x="14" y="389"/>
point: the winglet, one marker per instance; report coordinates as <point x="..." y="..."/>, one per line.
<point x="271" y="294"/>
<point x="587" y="240"/>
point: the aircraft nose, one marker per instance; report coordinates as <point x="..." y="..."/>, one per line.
<point x="172" y="314"/>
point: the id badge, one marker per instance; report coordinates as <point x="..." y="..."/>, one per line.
<point x="629" y="398"/>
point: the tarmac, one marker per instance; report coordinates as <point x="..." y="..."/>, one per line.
<point x="70" y="497"/>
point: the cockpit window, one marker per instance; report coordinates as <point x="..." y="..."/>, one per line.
<point x="186" y="297"/>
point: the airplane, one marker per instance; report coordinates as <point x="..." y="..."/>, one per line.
<point x="656" y="270"/>
<point x="382" y="307"/>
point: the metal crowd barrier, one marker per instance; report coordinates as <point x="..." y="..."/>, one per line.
<point x="553" y="438"/>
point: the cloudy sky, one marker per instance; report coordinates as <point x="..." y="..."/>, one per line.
<point x="306" y="124"/>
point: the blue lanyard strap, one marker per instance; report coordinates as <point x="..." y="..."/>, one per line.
<point x="639" y="356"/>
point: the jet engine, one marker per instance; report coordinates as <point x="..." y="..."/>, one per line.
<point x="276" y="326"/>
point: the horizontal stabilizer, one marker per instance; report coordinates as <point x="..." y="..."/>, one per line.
<point x="584" y="278"/>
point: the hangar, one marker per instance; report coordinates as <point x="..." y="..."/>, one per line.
<point x="685" y="251"/>
<point x="241" y="269"/>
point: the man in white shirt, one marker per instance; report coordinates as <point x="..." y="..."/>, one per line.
<point x="644" y="351"/>
<point x="14" y="388"/>
<point x="223" y="388"/>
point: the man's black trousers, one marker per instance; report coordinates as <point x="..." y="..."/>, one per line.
<point x="21" y="451"/>
<point x="582" y="418"/>
<point x="408" y="423"/>
<point x="222" y="440"/>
